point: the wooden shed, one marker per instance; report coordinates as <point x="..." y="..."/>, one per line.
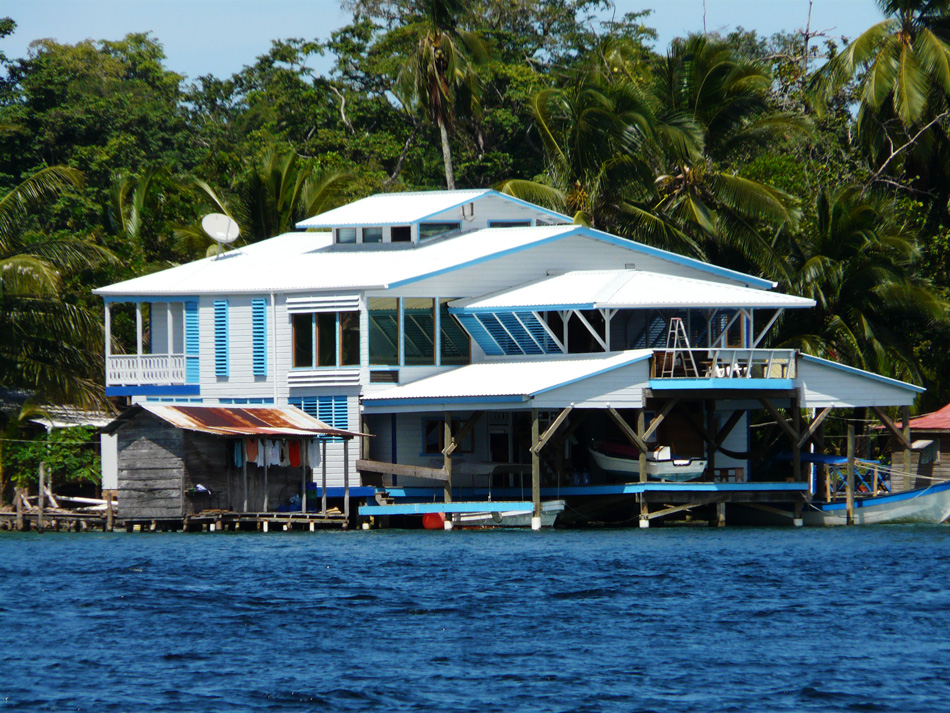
<point x="177" y="460"/>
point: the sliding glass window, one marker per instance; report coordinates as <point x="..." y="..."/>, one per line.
<point x="419" y="327"/>
<point x="383" y="331"/>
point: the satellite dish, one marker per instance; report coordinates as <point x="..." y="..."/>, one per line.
<point x="220" y="228"/>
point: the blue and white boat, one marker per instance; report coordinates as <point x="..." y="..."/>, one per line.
<point x="930" y="505"/>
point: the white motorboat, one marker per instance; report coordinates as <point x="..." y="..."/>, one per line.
<point x="661" y="463"/>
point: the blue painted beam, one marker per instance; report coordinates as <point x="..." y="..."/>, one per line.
<point x="154" y="390"/>
<point x="423" y="508"/>
<point x="617" y="489"/>
<point x="737" y="384"/>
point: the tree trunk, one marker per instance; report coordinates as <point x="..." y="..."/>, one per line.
<point x="447" y="157"/>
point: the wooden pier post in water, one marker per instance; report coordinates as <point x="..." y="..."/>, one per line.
<point x="850" y="483"/>
<point x="447" y="465"/>
<point x="641" y="428"/>
<point x="110" y="514"/>
<point x="346" y="478"/>
<point x="18" y="501"/>
<point x="909" y="484"/>
<point x="323" y="473"/>
<point x="41" y="498"/>
<point x="535" y="471"/>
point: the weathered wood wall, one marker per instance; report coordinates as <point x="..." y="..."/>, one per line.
<point x="150" y="468"/>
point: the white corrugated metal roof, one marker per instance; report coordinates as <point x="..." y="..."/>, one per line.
<point x="627" y="289"/>
<point x="393" y="208"/>
<point x="294" y="262"/>
<point x="523" y="378"/>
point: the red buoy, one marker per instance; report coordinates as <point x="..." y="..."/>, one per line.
<point x="433" y="520"/>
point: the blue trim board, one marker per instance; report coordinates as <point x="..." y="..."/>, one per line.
<point x="725" y="384"/>
<point x="118" y="299"/>
<point x="339" y="492"/>
<point x="153" y="390"/>
<point x="865" y="374"/>
<point x="423" y="508"/>
<point x="444" y="400"/>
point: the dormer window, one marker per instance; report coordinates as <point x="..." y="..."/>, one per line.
<point x="346" y="235"/>
<point x="428" y="231"/>
<point x="372" y="235"/>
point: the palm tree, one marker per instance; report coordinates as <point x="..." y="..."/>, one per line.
<point x="859" y="267"/>
<point x="640" y="163"/>
<point x="277" y="191"/>
<point x="47" y="345"/>
<point x="905" y="59"/>
<point x="439" y="77"/>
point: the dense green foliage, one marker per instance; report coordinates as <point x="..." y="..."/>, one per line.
<point x="69" y="453"/>
<point x="819" y="166"/>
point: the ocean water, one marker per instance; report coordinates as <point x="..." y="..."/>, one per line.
<point x="610" y="620"/>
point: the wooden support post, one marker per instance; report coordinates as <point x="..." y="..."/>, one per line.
<point x="796" y="443"/>
<point x="323" y="474"/>
<point x="447" y="461"/>
<point x="266" y="501"/>
<point x="303" y="477"/>
<point x="41" y="499"/>
<point x="18" y="501"/>
<point x="905" y="417"/>
<point x="346" y="478"/>
<point x="850" y="483"/>
<point x="642" y="458"/>
<point x="875" y="481"/>
<point x="110" y="514"/>
<point x="535" y="471"/>
<point x="720" y="514"/>
<point x="644" y="513"/>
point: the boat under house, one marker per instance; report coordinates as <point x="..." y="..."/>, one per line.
<point x="463" y="350"/>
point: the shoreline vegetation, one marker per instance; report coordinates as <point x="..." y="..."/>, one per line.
<point x="815" y="162"/>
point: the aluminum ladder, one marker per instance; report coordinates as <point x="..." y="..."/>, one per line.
<point x="677" y="344"/>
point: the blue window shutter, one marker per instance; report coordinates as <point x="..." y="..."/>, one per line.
<point x="259" y="335"/>
<point x="192" y="372"/>
<point x="221" y="337"/>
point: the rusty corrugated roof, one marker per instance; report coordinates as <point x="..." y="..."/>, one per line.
<point x="245" y="421"/>
<point x="936" y="421"/>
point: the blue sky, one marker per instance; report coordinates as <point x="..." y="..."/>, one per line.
<point x="221" y="36"/>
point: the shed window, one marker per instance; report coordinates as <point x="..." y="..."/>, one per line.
<point x="372" y="235"/>
<point x="433" y="230"/>
<point x="400" y="234"/>
<point x="454" y="346"/>
<point x="509" y="223"/>
<point x="346" y="235"/>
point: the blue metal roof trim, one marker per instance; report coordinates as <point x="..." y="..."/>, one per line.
<point x="517" y="308"/>
<point x="154" y="390"/>
<point x="750" y="280"/>
<point x="866" y="374"/>
<point x="605" y="370"/>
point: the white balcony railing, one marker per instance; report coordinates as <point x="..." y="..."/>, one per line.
<point x="724" y="364"/>
<point x="134" y="369"/>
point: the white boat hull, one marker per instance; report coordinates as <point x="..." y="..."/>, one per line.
<point x="550" y="509"/>
<point x="675" y="469"/>
<point x="925" y="506"/>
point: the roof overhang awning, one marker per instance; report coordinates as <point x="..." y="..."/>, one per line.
<point x="254" y="421"/>
<point x="626" y="289"/>
<point x="544" y="382"/>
